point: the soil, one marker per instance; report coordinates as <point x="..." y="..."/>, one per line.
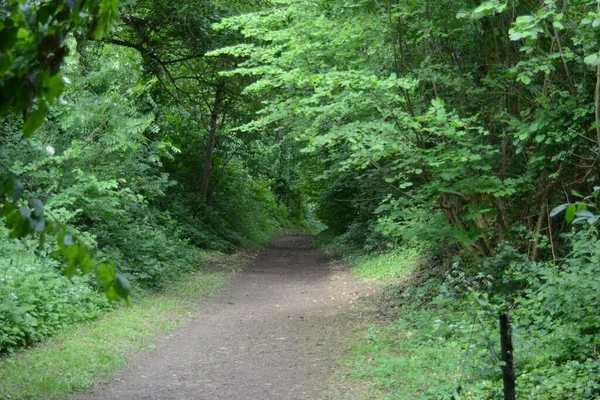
<point x="276" y="333"/>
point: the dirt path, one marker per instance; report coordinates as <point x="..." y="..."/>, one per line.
<point x="277" y="333"/>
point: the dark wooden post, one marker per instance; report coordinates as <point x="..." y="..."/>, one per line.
<point x="508" y="369"/>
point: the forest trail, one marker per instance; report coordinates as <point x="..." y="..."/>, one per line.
<point x="276" y="333"/>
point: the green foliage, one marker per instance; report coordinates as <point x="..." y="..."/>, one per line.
<point x="38" y="300"/>
<point x="23" y="221"/>
<point x="33" y="48"/>
<point x="102" y="188"/>
<point x="410" y="116"/>
<point x="460" y="126"/>
<point x="452" y="125"/>
<point x="81" y="354"/>
<point x="447" y="335"/>
<point x="150" y="250"/>
<point x="582" y="211"/>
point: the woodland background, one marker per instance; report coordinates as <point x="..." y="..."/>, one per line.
<point x="449" y="149"/>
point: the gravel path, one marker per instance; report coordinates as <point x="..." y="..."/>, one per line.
<point x="277" y="333"/>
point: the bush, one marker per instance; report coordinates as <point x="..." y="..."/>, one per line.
<point x="37" y="299"/>
<point x="149" y="249"/>
<point x="107" y="168"/>
<point x="448" y="325"/>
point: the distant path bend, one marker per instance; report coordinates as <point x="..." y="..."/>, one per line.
<point x="275" y="334"/>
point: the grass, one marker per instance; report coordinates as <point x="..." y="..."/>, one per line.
<point x="87" y="353"/>
<point x="395" y="361"/>
<point x="405" y="357"/>
<point x="435" y="336"/>
<point x="386" y="268"/>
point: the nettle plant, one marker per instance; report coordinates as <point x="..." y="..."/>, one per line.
<point x="25" y="217"/>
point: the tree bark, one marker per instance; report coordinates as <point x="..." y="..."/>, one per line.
<point x="214" y="125"/>
<point x="597" y="96"/>
<point x="597" y="103"/>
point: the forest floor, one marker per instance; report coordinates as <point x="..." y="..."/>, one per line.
<point x="277" y="332"/>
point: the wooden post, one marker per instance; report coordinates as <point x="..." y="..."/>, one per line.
<point x="508" y="369"/>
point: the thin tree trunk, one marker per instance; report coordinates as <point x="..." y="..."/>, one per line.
<point x="564" y="61"/>
<point x="538" y="232"/>
<point x="214" y="125"/>
<point x="597" y="102"/>
<point x="393" y="37"/>
<point x="398" y="56"/>
<point x="545" y="192"/>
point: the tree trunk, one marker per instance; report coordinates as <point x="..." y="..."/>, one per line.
<point x="597" y="101"/>
<point x="214" y="125"/>
<point x="597" y="97"/>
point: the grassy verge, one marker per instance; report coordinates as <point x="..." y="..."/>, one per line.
<point x="404" y="360"/>
<point x="404" y="356"/>
<point x="386" y="268"/>
<point x="440" y="339"/>
<point x="84" y="354"/>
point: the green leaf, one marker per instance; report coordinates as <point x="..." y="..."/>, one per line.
<point x="122" y="286"/>
<point x="525" y="79"/>
<point x="514" y="36"/>
<point x="6" y="61"/>
<point x="592" y="60"/>
<point x="112" y="294"/>
<point x="35" y="119"/>
<point x="570" y="215"/>
<point x="584" y="213"/>
<point x="591" y="321"/>
<point x="71" y="268"/>
<point x="53" y="87"/>
<point x="523" y="136"/>
<point x="7" y="209"/>
<point x="86" y="263"/>
<point x="8" y="37"/>
<point x="525" y="19"/>
<point x="483" y="303"/>
<point x="106" y="274"/>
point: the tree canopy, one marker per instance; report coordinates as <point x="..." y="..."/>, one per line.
<point x="134" y="133"/>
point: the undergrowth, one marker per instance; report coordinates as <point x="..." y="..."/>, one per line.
<point x="118" y="174"/>
<point x="83" y="354"/>
<point x="440" y="339"/>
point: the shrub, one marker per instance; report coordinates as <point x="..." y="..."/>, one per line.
<point x="37" y="299"/>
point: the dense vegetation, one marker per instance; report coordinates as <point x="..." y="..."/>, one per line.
<point x="465" y="135"/>
<point x="469" y="132"/>
<point x="118" y="170"/>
